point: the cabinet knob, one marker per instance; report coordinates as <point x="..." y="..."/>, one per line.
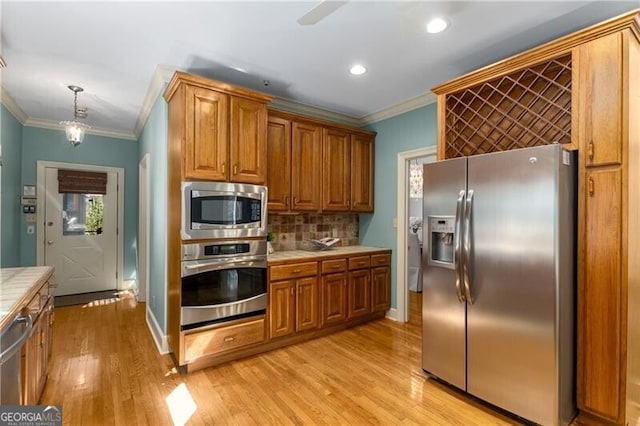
<point x="592" y="189"/>
<point x="296" y="271"/>
<point x="235" y="169"/>
<point x="229" y="339"/>
<point x="224" y="168"/>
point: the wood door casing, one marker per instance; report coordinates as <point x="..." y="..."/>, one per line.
<point x="278" y="163"/>
<point x="306" y="166"/>
<point x="281" y="308"/>
<point x="361" y="173"/>
<point x="600" y="99"/>
<point x="206" y="139"/>
<point x="247" y="142"/>
<point x="600" y="305"/>
<point x="336" y="161"/>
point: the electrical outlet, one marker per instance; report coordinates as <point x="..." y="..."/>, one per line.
<point x="334" y="232"/>
<point x="31" y="229"/>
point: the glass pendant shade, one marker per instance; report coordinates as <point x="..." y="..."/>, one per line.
<point x="75" y="131"/>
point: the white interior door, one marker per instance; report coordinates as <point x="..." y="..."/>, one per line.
<point x="82" y="249"/>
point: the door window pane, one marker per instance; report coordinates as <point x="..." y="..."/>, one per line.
<point x="82" y="214"/>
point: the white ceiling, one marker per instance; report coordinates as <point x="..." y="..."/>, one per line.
<point x="113" y="49"/>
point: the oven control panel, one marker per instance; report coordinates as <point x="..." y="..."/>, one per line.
<point x="226" y="249"/>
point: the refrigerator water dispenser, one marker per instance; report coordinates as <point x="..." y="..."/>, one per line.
<point x="441" y="237"/>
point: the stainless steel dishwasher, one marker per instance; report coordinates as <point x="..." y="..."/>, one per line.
<point x="12" y="338"/>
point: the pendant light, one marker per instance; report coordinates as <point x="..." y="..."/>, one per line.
<point x="75" y="130"/>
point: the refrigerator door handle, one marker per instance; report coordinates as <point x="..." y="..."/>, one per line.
<point x="466" y="248"/>
<point x="457" y="246"/>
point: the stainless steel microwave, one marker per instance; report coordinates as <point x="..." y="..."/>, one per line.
<point x="223" y="210"/>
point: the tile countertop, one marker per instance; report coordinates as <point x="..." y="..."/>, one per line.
<point x="287" y="255"/>
<point x="17" y="287"/>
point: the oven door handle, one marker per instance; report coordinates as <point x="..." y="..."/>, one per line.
<point x="193" y="267"/>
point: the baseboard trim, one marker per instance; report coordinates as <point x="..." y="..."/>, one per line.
<point x="158" y="337"/>
<point x="392" y="314"/>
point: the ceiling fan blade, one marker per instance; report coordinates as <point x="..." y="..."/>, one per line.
<point x="320" y="11"/>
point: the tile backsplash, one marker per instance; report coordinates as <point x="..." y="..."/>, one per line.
<point x="292" y="232"/>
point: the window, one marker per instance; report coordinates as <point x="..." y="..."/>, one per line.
<point x="82" y="214"/>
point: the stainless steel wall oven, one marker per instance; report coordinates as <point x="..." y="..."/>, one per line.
<point x="222" y="281"/>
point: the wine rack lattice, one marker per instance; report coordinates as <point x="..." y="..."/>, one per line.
<point x="529" y="107"/>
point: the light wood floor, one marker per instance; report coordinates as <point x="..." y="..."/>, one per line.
<point x="105" y="369"/>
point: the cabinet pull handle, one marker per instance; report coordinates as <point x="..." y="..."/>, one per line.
<point x="224" y="168"/>
<point x="229" y="338"/>
<point x="235" y="169"/>
<point x="296" y="271"/>
<point x="590" y="148"/>
<point x="286" y="200"/>
<point x="592" y="189"/>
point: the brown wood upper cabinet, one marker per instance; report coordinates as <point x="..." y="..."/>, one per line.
<point x="599" y="94"/>
<point x="348" y="178"/>
<point x="223" y="129"/>
<point x="318" y="166"/>
<point x="294" y="158"/>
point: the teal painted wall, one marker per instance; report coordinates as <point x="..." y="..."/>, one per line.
<point x="52" y="145"/>
<point x="412" y="130"/>
<point x="10" y="210"/>
<point x="153" y="141"/>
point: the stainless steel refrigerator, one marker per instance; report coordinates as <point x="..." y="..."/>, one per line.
<point x="498" y="311"/>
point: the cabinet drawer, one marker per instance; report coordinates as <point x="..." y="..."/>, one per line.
<point x="217" y="340"/>
<point x="380" y="259"/>
<point x="296" y="270"/>
<point x="335" y="265"/>
<point x="359" y="262"/>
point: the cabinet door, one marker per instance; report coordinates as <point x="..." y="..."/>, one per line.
<point x="600" y="100"/>
<point x="281" y="308"/>
<point x="599" y="321"/>
<point x="306" y="166"/>
<point x="307" y="303"/>
<point x="334" y="298"/>
<point x="207" y="137"/>
<point x="359" y="292"/>
<point x="248" y="141"/>
<point x="380" y="288"/>
<point x="32" y="369"/>
<point x="278" y="163"/>
<point x="361" y="173"/>
<point x="336" y="183"/>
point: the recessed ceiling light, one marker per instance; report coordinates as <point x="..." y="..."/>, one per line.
<point x="436" y="25"/>
<point x="357" y="70"/>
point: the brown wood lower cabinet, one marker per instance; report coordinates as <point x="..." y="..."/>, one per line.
<point x="37" y="347"/>
<point x="380" y="282"/>
<point x="359" y="286"/>
<point x="293" y="298"/>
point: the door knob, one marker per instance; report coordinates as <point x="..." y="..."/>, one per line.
<point x="50" y="242"/>
<point x="49" y="223"/>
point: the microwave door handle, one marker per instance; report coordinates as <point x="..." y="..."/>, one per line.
<point x="457" y="251"/>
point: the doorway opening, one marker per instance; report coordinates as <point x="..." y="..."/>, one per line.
<point x="409" y="218"/>
<point x="79" y="215"/>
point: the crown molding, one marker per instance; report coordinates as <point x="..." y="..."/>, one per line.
<point x="161" y="76"/>
<point x="287" y="105"/>
<point x="406" y="106"/>
<point x="54" y="125"/>
<point x="12" y="106"/>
